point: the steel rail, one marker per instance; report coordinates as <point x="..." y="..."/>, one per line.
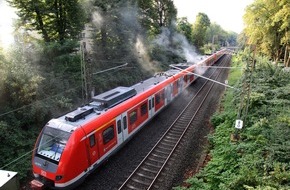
<point x="169" y="137"/>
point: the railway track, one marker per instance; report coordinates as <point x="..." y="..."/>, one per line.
<point x="146" y="175"/>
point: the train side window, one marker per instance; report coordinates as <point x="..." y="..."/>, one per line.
<point x="153" y="102"/>
<point x="92" y="140"/>
<point x="157" y="98"/>
<point x="144" y="109"/>
<point x="119" y="126"/>
<point x="125" y="122"/>
<point x="175" y="84"/>
<point x="185" y="78"/>
<point x="108" y="134"/>
<point x="162" y="95"/>
<point x="133" y="117"/>
<point x="149" y="104"/>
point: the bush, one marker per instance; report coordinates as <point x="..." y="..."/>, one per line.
<point x="260" y="160"/>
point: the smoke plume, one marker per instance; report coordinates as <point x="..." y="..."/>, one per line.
<point x="178" y="44"/>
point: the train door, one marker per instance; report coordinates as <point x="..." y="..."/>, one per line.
<point x="122" y="129"/>
<point x="180" y="84"/>
<point x="151" y="103"/>
<point x="168" y="93"/>
<point x="125" y="126"/>
<point x="93" y="148"/>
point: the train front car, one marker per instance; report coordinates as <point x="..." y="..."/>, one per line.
<point x="54" y="158"/>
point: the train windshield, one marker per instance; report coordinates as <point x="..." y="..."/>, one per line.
<point x="52" y="143"/>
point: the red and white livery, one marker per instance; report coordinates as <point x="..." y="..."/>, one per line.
<point x="70" y="147"/>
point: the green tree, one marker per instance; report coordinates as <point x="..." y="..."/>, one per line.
<point x="267" y="26"/>
<point x="216" y="37"/>
<point x="156" y="14"/>
<point x="232" y="38"/>
<point x="55" y="20"/>
<point x="200" y="27"/>
<point x="185" y="28"/>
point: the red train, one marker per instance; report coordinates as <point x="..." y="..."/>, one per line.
<point x="72" y="146"/>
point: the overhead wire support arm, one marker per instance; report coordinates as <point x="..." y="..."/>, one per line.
<point x="113" y="68"/>
<point x="221" y="67"/>
<point x="204" y="77"/>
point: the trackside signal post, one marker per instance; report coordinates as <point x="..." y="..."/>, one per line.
<point x="245" y="94"/>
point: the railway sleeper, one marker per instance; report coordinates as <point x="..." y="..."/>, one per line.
<point x="174" y="135"/>
<point x="166" y="144"/>
<point x="155" y="160"/>
<point x="149" y="170"/>
<point x="145" y="176"/>
<point x="151" y="167"/>
<point x="153" y="163"/>
<point x="169" y="141"/>
<point x="132" y="187"/>
<point x="178" y="130"/>
<point x="187" y="115"/>
<point x="159" y="156"/>
<point x="177" y="133"/>
<point x="162" y="151"/>
<point x="165" y="147"/>
<point x="141" y="182"/>
<point x="145" y="172"/>
<point x="182" y="123"/>
<point x="174" y="139"/>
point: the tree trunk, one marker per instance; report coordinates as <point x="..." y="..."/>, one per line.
<point x="286" y="56"/>
<point x="59" y="14"/>
<point x="40" y="23"/>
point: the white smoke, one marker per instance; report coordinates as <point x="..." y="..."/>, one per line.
<point x="97" y="19"/>
<point x="167" y="38"/>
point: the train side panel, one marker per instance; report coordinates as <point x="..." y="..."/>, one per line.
<point x="97" y="139"/>
<point x="74" y="162"/>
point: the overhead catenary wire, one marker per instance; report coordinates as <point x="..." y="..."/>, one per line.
<point x="113" y="68"/>
<point x="220" y="67"/>
<point x="27" y="153"/>
<point x="204" y="77"/>
<point x="28" y="105"/>
<point x="25" y="106"/>
<point x="17" y="159"/>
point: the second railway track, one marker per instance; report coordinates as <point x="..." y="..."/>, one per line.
<point x="147" y="173"/>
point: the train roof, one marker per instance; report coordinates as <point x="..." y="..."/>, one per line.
<point x="106" y="100"/>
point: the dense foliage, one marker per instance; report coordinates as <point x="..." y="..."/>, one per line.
<point x="207" y="37"/>
<point x="267" y="26"/>
<point x="54" y="20"/>
<point x="42" y="75"/>
<point x="260" y="159"/>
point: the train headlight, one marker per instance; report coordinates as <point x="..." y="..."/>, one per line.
<point x="58" y="177"/>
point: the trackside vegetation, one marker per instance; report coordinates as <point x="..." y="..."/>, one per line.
<point x="260" y="159"/>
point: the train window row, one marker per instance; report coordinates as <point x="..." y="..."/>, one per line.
<point x="144" y="109"/>
<point x="119" y="126"/>
<point x="125" y="122"/>
<point x="133" y="116"/>
<point x="108" y="134"/>
<point x="159" y="97"/>
<point x="151" y="103"/>
<point x="92" y="140"/>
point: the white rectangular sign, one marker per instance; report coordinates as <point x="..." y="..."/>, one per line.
<point x="239" y="124"/>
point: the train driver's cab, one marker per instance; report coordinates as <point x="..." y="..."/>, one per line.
<point x="52" y="143"/>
